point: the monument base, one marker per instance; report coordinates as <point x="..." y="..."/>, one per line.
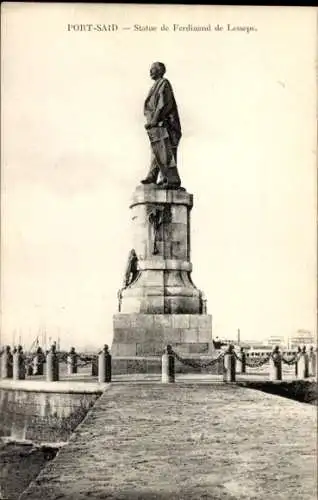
<point x="146" y="335"/>
<point x="137" y="365"/>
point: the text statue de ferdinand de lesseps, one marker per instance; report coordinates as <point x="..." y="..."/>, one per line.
<point x="164" y="130"/>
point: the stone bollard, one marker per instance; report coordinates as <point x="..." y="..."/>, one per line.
<point x="72" y="362"/>
<point x="167" y="366"/>
<point x="29" y="369"/>
<point x="95" y="366"/>
<point x="52" y="365"/>
<point x="241" y="362"/>
<point x="275" y="365"/>
<point x="19" y="368"/>
<point x="38" y="362"/>
<point x="104" y="366"/>
<point x="303" y="365"/>
<point x="229" y="364"/>
<point x="313" y="362"/>
<point x="6" y="363"/>
<point x="298" y="354"/>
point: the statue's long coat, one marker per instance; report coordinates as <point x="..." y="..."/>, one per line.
<point x="161" y="103"/>
<point x="160" y="107"/>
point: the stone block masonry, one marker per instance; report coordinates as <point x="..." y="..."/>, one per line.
<point x="148" y="334"/>
<point x="161" y="305"/>
<point x="161" y="229"/>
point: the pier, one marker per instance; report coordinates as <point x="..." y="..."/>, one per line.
<point x="186" y="440"/>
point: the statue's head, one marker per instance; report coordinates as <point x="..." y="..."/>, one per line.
<point x="157" y="70"/>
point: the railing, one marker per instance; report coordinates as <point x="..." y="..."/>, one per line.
<point x="17" y="366"/>
<point x="234" y="363"/>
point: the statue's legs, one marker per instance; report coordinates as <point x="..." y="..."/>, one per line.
<point x="153" y="170"/>
<point x="171" y="177"/>
<point x="163" y="162"/>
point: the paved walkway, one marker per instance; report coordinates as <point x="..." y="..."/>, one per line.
<point x="186" y="441"/>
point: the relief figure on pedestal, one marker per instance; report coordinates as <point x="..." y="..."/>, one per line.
<point x="131" y="268"/>
<point x="164" y="130"/>
<point x="131" y="274"/>
<point x="157" y="215"/>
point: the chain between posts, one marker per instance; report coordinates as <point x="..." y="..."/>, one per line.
<point x="195" y="364"/>
<point x="257" y="363"/>
<point x="63" y="358"/>
<point x="263" y="361"/>
<point x="86" y="360"/>
<point x="292" y="361"/>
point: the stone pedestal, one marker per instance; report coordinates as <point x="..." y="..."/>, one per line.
<point x="148" y="334"/>
<point x="162" y="305"/>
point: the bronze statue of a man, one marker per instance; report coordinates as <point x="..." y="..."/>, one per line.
<point x="164" y="130"/>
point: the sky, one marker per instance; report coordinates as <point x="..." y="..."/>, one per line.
<point x="74" y="149"/>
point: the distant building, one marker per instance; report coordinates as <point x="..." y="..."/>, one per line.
<point x="251" y="343"/>
<point x="274" y="340"/>
<point x="301" y="338"/>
